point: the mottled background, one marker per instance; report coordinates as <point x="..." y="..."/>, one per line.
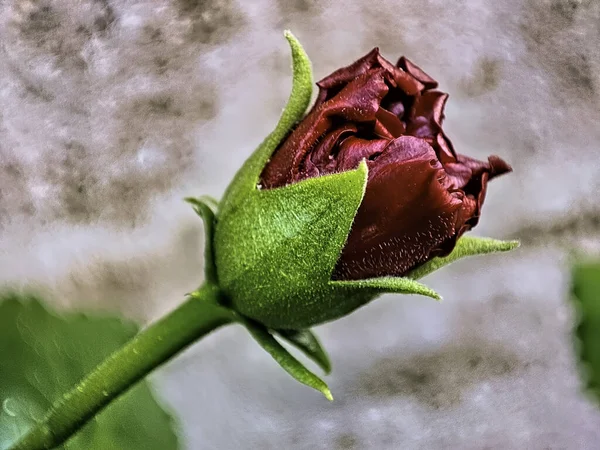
<point x="111" y="111"/>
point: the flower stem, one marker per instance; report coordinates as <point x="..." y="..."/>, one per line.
<point x="195" y="318"/>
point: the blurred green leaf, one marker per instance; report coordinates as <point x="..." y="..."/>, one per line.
<point x="42" y="355"/>
<point x="586" y="291"/>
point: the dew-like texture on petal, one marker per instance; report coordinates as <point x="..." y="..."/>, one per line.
<point x="421" y="195"/>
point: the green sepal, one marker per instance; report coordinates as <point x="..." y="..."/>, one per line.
<point x="205" y="207"/>
<point x="290" y="364"/>
<point x="308" y="343"/>
<point x="276" y="254"/>
<point x="586" y="298"/>
<point x="465" y="246"/>
<point x="246" y="179"/>
<point x="209" y="201"/>
<point x="313" y="219"/>
<point x="398" y="285"/>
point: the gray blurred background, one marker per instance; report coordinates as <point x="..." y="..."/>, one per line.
<point x="111" y="111"/>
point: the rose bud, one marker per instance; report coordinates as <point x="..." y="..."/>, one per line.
<point x="421" y="195"/>
<point x="360" y="197"/>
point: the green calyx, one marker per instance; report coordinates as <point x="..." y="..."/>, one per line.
<point x="275" y="255"/>
<point x="304" y="340"/>
<point x="272" y="252"/>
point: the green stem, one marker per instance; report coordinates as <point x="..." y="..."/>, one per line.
<point x="195" y="318"/>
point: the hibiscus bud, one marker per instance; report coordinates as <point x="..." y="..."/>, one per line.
<point x="421" y="195"/>
<point x="360" y="197"/>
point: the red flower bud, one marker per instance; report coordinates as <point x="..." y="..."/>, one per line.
<point x="421" y="195"/>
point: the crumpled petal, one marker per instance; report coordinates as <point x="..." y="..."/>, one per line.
<point x="358" y="101"/>
<point x="329" y="86"/>
<point x="353" y="150"/>
<point x="417" y="72"/>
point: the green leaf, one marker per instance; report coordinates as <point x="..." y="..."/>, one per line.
<point x="42" y="355"/>
<point x="302" y="84"/>
<point x="398" y="285"/>
<point x="307" y="342"/>
<point x="290" y="364"/>
<point x="466" y="246"/>
<point x="204" y="208"/>
<point x="586" y="291"/>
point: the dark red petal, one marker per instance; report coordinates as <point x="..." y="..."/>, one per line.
<point x="420" y="127"/>
<point x="427" y="113"/>
<point x="405" y="215"/>
<point x="467" y="171"/>
<point x="358" y="101"/>
<point x="472" y="176"/>
<point x="459" y="174"/>
<point x="322" y="153"/>
<point x="379" y="130"/>
<point x="426" y="117"/>
<point x="404" y="148"/>
<point x="309" y="170"/>
<point x="468" y="215"/>
<point x="394" y="126"/>
<point x="339" y="78"/>
<point x="431" y="104"/>
<point x="466" y="219"/>
<point x="349" y="73"/>
<point x="353" y="150"/>
<point x="417" y="72"/>
<point x="497" y="166"/>
<point x="444" y="149"/>
<point x="285" y="162"/>
<point x="330" y="85"/>
<point x="402" y="79"/>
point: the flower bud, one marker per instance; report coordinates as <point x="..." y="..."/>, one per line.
<point x="364" y="190"/>
<point x="421" y="195"/>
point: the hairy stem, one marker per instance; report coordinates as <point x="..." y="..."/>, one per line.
<point x="195" y="318"/>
